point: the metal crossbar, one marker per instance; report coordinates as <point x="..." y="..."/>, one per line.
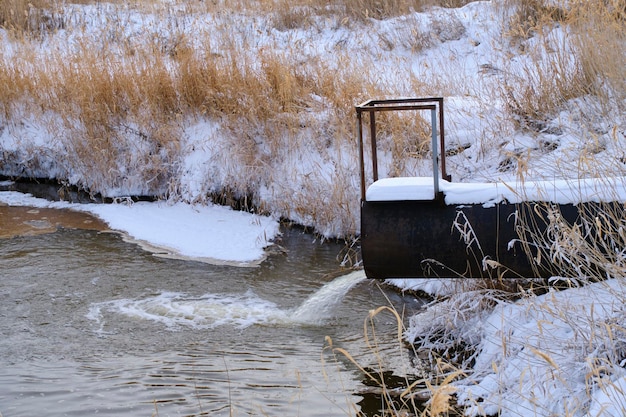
<point x="432" y="104"/>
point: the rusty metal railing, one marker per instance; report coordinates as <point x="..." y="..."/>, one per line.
<point x="433" y="104"/>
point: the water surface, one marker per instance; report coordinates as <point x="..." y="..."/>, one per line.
<point x="90" y="324"/>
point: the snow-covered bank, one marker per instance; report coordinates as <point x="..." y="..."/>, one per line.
<point x="558" y="354"/>
<point x="207" y="233"/>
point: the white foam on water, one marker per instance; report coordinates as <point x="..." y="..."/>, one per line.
<point x="175" y="310"/>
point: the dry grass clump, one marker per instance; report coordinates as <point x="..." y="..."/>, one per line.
<point x="529" y="17"/>
<point x="381" y="9"/>
<point x="538" y="94"/>
<point x="424" y="393"/>
<point x="118" y="119"/>
<point x="557" y="72"/>
<point x="270" y="90"/>
<point x="272" y="97"/>
<point x="590" y="249"/>
<point x="599" y="29"/>
<point x="30" y="17"/>
<point x="289" y="14"/>
<point x="120" y="99"/>
<point x="123" y="112"/>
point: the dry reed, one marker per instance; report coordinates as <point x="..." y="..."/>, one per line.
<point x="30" y="17"/>
<point x="558" y="72"/>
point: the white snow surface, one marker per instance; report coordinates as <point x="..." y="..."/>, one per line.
<point x="207" y="232"/>
<point x="572" y="191"/>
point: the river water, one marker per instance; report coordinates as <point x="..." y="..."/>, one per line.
<point x="91" y="324"/>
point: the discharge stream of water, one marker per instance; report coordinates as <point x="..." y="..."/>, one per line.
<point x="322" y="303"/>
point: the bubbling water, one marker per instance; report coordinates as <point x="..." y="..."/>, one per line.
<point x="175" y="310"/>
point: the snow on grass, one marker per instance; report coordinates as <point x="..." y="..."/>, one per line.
<point x="544" y="355"/>
<point x="558" y="354"/>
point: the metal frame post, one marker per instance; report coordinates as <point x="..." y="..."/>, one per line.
<point x="435" y="154"/>
<point x="438" y="152"/>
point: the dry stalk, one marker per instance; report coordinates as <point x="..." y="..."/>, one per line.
<point x="559" y="70"/>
